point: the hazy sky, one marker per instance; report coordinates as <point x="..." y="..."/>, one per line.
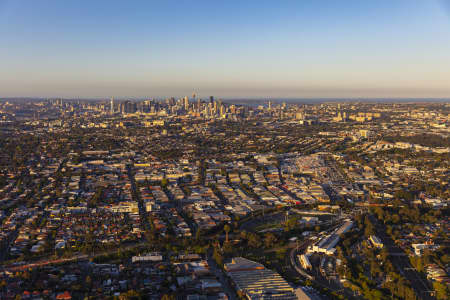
<point x="225" y="48"/>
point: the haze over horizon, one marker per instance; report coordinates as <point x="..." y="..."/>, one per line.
<point x="254" y="49"/>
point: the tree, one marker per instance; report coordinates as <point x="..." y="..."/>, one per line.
<point x="269" y="240"/>
<point x="253" y="240"/>
<point x="376" y="294"/>
<point x="369" y="230"/>
<point x="442" y="292"/>
<point x="380" y="213"/>
<point x="88" y="281"/>
<point x="384" y="254"/>
<point x="197" y="235"/>
<point x="290" y="224"/>
<point x="131" y="294"/>
<point x="168" y="297"/>
<point x="241" y="295"/>
<point x="164" y="182"/>
<point x="227" y="229"/>
<point x="227" y="248"/>
<point x="218" y="258"/>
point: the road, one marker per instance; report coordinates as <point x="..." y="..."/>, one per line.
<point x="293" y="258"/>
<point x="145" y="224"/>
<point x="401" y="262"/>
<point x="77" y="257"/>
<point x="228" y="289"/>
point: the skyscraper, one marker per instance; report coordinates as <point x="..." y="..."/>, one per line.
<point x="186" y="103"/>
<point x="112" y="105"/>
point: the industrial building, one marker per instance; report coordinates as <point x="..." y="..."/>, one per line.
<point x="326" y="245"/>
<point x="257" y="282"/>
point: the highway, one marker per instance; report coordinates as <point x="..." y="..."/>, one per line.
<point x="401" y="262"/>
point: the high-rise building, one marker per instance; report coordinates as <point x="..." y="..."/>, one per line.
<point x="186" y="103"/>
<point x="112" y="105"/>
<point x="129" y="107"/>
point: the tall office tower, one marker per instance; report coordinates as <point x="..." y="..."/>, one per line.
<point x="211" y="99"/>
<point x="246" y="110"/>
<point x="112" y="105"/>
<point x="198" y="104"/>
<point x="270" y="105"/>
<point x="146" y="105"/>
<point x="186" y="103"/>
<point x="130" y="107"/>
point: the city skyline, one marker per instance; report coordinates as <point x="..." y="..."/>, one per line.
<point x="206" y="150"/>
<point x="230" y="50"/>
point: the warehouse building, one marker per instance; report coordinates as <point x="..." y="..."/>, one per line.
<point x="257" y="282"/>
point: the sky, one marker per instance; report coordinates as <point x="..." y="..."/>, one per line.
<point x="290" y="49"/>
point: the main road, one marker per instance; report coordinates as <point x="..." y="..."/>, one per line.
<point x="401" y="262"/>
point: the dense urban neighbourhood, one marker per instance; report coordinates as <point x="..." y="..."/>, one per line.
<point x="206" y="199"/>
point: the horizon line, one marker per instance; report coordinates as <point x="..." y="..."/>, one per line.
<point x="222" y="98"/>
